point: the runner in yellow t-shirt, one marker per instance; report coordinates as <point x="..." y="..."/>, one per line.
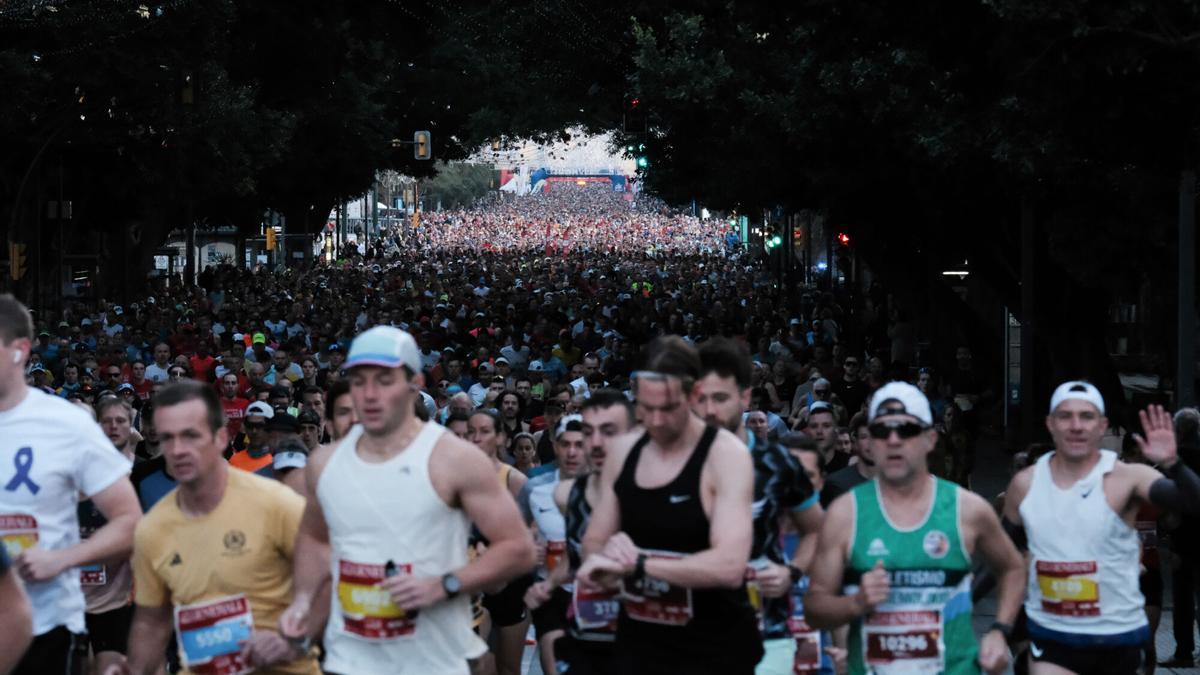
<point x="213" y="559"/>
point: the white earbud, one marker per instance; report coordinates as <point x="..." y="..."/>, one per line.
<point x="18" y="355"/>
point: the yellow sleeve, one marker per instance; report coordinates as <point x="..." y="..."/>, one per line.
<point x="148" y="588"/>
<point x="290" y="509"/>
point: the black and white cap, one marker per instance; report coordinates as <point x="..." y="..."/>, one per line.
<point x="1077" y="390"/>
<point x="900" y="398"/>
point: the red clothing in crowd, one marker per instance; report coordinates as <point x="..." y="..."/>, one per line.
<point x="235" y="411"/>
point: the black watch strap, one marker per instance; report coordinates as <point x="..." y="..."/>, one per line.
<point x="796" y="573"/>
<point x="639" y="568"/>
<point x="1005" y="629"/>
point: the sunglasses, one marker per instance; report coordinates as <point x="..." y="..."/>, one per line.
<point x="820" y="392"/>
<point x="115" y="373"/>
<point x="254" y="425"/>
<point x="905" y="430"/>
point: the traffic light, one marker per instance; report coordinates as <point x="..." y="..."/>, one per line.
<point x="422" y="145"/>
<point x="843" y="239"/>
<point x="18" y="260"/>
<point x="641" y="159"/>
<point x="270" y="238"/>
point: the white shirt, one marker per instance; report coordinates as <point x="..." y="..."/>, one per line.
<point x="156" y="373"/>
<point x="51" y="452"/>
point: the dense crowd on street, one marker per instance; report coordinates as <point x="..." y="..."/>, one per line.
<point x="578" y="346"/>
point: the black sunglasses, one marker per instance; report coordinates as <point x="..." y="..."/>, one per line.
<point x="905" y="430"/>
<point x="254" y="425"/>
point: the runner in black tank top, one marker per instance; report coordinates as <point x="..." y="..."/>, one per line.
<point x="679" y="630"/>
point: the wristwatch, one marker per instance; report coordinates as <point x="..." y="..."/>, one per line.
<point x="451" y="585"/>
<point x="1005" y="629"/>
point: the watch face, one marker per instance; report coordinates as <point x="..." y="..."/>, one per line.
<point x="451" y="584"/>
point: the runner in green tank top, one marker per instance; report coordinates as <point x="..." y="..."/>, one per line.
<point x="895" y="553"/>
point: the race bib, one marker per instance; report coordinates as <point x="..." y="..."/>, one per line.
<point x="211" y="635"/>
<point x="93" y="575"/>
<point x="904" y="641"/>
<point x="655" y="600"/>
<point x="595" y="611"/>
<point x="555" y="550"/>
<point x="367" y="609"/>
<point x="19" y="532"/>
<point x="1069" y="588"/>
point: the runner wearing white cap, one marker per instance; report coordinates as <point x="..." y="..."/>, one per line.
<point x="388" y="516"/>
<point x="894" y="558"/>
<point x="1084" y="607"/>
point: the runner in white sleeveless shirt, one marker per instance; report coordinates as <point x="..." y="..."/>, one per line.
<point x="1076" y="510"/>
<point x="388" y="515"/>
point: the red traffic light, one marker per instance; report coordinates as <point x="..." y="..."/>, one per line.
<point x="633" y="104"/>
<point x="843" y="239"/>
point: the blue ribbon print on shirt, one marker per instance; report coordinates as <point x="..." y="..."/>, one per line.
<point x="23" y="461"/>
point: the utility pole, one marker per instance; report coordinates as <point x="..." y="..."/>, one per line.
<point x="1185" y="377"/>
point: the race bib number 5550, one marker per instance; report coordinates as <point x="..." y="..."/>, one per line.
<point x="211" y="635"/>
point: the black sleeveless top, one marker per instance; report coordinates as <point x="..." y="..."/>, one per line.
<point x="723" y="631"/>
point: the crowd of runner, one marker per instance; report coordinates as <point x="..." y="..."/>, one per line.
<point x="571" y="412"/>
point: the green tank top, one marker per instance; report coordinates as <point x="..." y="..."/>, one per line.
<point x="925" y="624"/>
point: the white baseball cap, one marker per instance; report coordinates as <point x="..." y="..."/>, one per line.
<point x="1077" y="390"/>
<point x="384" y="346"/>
<point x="260" y="408"/>
<point x="910" y="399"/>
<point x="568" y="423"/>
<point x="290" y="459"/>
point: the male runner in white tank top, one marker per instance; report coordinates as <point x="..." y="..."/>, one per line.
<point x="388" y="515"/>
<point x="1076" y="510"/>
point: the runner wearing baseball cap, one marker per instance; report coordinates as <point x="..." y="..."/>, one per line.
<point x="894" y="557"/>
<point x="1076" y="510"/>
<point x="388" y="516"/>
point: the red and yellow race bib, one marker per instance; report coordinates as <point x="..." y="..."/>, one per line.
<point x="19" y="532"/>
<point x="1069" y="588"/>
<point x="367" y="609"/>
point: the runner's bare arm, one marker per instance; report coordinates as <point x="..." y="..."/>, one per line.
<point x="15" y="621"/>
<point x="113" y="541"/>
<point x="986" y="537"/>
<point x="1012" y="523"/>
<point x="510" y="552"/>
<point x="152" y="626"/>
<point x="516" y="482"/>
<point x="824" y="605"/>
<point x="310" y="558"/>
<point x="606" y="515"/>
<point x="808" y="524"/>
<point x="731" y="527"/>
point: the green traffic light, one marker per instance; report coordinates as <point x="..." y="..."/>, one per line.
<point x="642" y="162"/>
<point x="777" y="240"/>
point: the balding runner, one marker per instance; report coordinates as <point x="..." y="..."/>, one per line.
<point x="388" y="516"/>
<point x="1076" y="510"/>
<point x="894" y="557"/>
<point x="782" y="492"/>
<point x="673" y="528"/>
